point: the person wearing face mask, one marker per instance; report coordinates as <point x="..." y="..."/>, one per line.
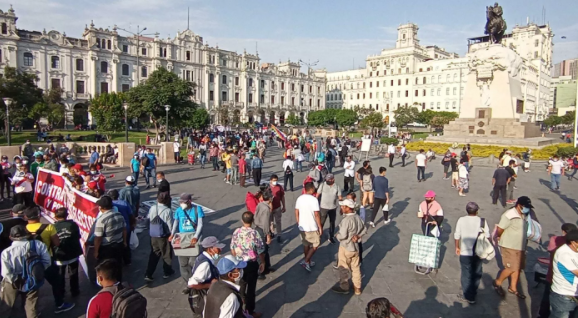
<point x="135" y="167"/>
<point x="110" y="234"/>
<point x="512" y="239"/>
<point x="38" y="163"/>
<point x="278" y="206"/>
<point x="203" y="154"/>
<point x="5" y="178"/>
<point x="223" y="298"/>
<point x="330" y="196"/>
<point x="161" y="218"/>
<point x="205" y="272"/>
<point x="564" y="280"/>
<point x="431" y="213"/>
<point x="188" y="219"/>
<point x="149" y="165"/>
<point x="100" y="306"/>
<point x="50" y="163"/>
<point x="22" y="182"/>
<point x="131" y="194"/>
<point x="164" y="185"/>
<point x="262" y="225"/>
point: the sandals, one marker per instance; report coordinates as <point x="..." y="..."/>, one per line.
<point x="515" y="292"/>
<point x="498" y="289"/>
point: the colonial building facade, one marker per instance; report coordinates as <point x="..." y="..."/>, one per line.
<point x="233" y="87"/>
<point x="429" y="77"/>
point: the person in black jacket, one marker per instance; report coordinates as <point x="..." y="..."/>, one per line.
<point x="67" y="253"/>
<point x="17" y="219"/>
<point x="164" y="185"/>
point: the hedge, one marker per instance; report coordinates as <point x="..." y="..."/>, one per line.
<point x="565" y="150"/>
<point x="387" y="140"/>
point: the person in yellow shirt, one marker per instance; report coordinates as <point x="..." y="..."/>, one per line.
<point x="227" y="160"/>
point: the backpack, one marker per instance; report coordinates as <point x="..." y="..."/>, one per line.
<point x="158" y="227"/>
<point x="323" y="172"/>
<point x="321" y="157"/>
<point x="288" y="170"/>
<point x="145" y="161"/>
<point x="126" y="302"/>
<point x="367" y="182"/>
<point x="36" y="235"/>
<point x="329" y="155"/>
<point x="32" y="270"/>
<point x="251" y="201"/>
<point x="483" y="247"/>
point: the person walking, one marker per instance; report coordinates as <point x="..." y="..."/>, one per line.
<point x="391" y="154"/>
<point x="214" y="155"/>
<point x="188" y="220"/>
<point x="430" y="212"/>
<point x="564" y="279"/>
<point x="110" y="234"/>
<point x="348" y="174"/>
<point x="278" y="206"/>
<point x="309" y="224"/>
<point x="421" y="164"/>
<point x="403" y="153"/>
<point x="149" y="163"/>
<point x="234" y="160"/>
<point x="12" y="271"/>
<point x="205" y="272"/>
<point x="131" y="194"/>
<point x="446" y="160"/>
<point x="575" y="165"/>
<point x="464" y="179"/>
<point x="135" y="167"/>
<point x="513" y="171"/>
<point x="247" y="246"/>
<point x="68" y="251"/>
<point x="256" y="166"/>
<point x="367" y="186"/>
<point x="454" y="164"/>
<point x="330" y="196"/>
<point x="555" y="171"/>
<point x="359" y="176"/>
<point x="500" y="182"/>
<point x="465" y="235"/>
<point x="262" y="222"/>
<point x="288" y="173"/>
<point x="223" y="298"/>
<point x="164" y="185"/>
<point x="512" y="239"/>
<point x="203" y="154"/>
<point x="381" y="197"/>
<point x="125" y="210"/>
<point x="162" y="219"/>
<point x="351" y="231"/>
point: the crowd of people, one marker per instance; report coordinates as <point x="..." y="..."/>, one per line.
<point x="224" y="285"/>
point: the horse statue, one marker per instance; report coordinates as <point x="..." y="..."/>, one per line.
<point x="495" y="25"/>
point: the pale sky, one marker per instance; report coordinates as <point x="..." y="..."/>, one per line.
<point x="336" y="33"/>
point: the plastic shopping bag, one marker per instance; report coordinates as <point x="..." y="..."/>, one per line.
<point x="133" y="240"/>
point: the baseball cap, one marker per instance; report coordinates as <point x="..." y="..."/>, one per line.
<point x="32" y="213"/>
<point x="429" y="194"/>
<point x="347" y="202"/>
<point x="18" y="208"/>
<point x="92" y="185"/>
<point x="19" y="233"/>
<point x="229" y="263"/>
<point x="77" y="167"/>
<point x="329" y="176"/>
<point x="454" y="154"/>
<point x="129" y="179"/>
<point x="211" y="241"/>
<point x="185" y="197"/>
<point x="525" y="202"/>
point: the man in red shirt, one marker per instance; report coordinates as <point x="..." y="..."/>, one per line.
<point x="100" y="306"/>
<point x="278" y="195"/>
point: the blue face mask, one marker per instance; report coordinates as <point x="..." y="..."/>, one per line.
<point x="525" y="210"/>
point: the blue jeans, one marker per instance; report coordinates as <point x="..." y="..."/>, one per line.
<point x="234" y="174"/>
<point x="307" y="156"/>
<point x="150" y="173"/>
<point x="420" y="171"/>
<point x="562" y="306"/>
<point x="471" y="275"/>
<point x="330" y="165"/>
<point x="203" y="160"/>
<point x="135" y="176"/>
<point x="555" y="181"/>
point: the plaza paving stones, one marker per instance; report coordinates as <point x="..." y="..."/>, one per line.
<point x="293" y="292"/>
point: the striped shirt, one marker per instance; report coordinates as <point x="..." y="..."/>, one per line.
<point x="110" y="226"/>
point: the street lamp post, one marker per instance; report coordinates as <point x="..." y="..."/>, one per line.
<point x="167" y="108"/>
<point x="8" y="102"/>
<point x="138" y="34"/>
<point x="125" y="106"/>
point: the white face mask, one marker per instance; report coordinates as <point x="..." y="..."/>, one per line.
<point x="159" y="180"/>
<point x="238" y="279"/>
<point x="274" y="183"/>
<point x="184" y="206"/>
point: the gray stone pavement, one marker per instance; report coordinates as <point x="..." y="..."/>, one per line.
<point x="293" y="292"/>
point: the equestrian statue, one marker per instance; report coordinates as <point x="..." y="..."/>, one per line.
<point x="495" y="25"/>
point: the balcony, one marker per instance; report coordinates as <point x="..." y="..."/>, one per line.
<point x="252" y="105"/>
<point x="82" y="96"/>
<point x="239" y="104"/>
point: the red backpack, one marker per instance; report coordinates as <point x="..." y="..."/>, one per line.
<point x="251" y="201"/>
<point x="307" y="179"/>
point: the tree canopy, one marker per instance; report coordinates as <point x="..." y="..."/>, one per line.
<point x="107" y="111"/>
<point x="405" y="115"/>
<point x="50" y="107"/>
<point x="373" y="120"/>
<point x="21" y="87"/>
<point x="346" y="117"/>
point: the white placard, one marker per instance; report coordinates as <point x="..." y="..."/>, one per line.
<point x="365" y="144"/>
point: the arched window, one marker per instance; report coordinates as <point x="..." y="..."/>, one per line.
<point x="432" y="93"/>
<point x="103" y="45"/>
<point x="103" y="67"/>
<point x="416" y="81"/>
<point x="407" y="70"/>
<point x="125" y="70"/>
<point x="384" y="72"/>
<point x="370" y="73"/>
<point x="351" y="85"/>
<point x="4" y="28"/>
<point x="54" y="62"/>
<point x="108" y="44"/>
<point x="439" y="91"/>
<point x="28" y="59"/>
<point x="424" y="91"/>
<point x="363" y="84"/>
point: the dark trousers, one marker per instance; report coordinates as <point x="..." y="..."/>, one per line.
<point x="267" y="258"/>
<point x="52" y="276"/>
<point x="9" y="296"/>
<point x="330" y="165"/>
<point x="446" y="168"/>
<point x="24" y="198"/>
<point x="332" y="213"/>
<point x="499" y="191"/>
<point x="249" y="285"/>
<point x="391" y="160"/>
<point x="288" y="178"/>
<point x="439" y="220"/>
<point x="348" y="184"/>
<point x="135" y="176"/>
<point x="5" y="183"/>
<point x="215" y="163"/>
<point x="471" y="275"/>
<point x="257" y="176"/>
<point x="403" y="160"/>
<point x="378" y="205"/>
<point x="160" y="248"/>
<point x="544" y="311"/>
<point x="72" y="276"/>
<point x="112" y="251"/>
<point x="177" y="156"/>
<point x="420" y="171"/>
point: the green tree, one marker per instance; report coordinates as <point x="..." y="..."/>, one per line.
<point x="362" y="111"/>
<point x="373" y="120"/>
<point x="316" y="118"/>
<point x="568" y="118"/>
<point x="200" y="119"/>
<point x="21" y="87"/>
<point x="50" y="107"/>
<point x="346" y="117"/>
<point x="108" y="112"/>
<point x="552" y="121"/>
<point x="405" y="115"/>
<point x="426" y="116"/>
<point x="292" y="119"/>
<point x="162" y="88"/>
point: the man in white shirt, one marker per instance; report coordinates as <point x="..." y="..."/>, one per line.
<point x="177" y="149"/>
<point x="564" y="279"/>
<point x="555" y="170"/>
<point x="421" y="164"/>
<point x="403" y="154"/>
<point x="506" y="158"/>
<point x="391" y="153"/>
<point x="22" y="182"/>
<point x="348" y="174"/>
<point x="309" y="224"/>
<point x="223" y="298"/>
<point x="465" y="235"/>
<point x="204" y="272"/>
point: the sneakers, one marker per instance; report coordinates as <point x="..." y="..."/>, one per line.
<point x="462" y="299"/>
<point x="339" y="290"/>
<point x="148" y="279"/>
<point x="387" y="222"/>
<point x="167" y="275"/>
<point x="64" y="307"/>
<point x="371" y="224"/>
<point x="306" y="266"/>
<point x="357" y="291"/>
<point x="462" y="195"/>
<point x="336" y="265"/>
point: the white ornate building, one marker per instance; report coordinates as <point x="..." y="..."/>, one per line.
<point x="104" y="61"/>
<point x="428" y="77"/>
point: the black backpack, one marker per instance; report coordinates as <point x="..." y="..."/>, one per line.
<point x="328" y="155"/>
<point x="126" y="302"/>
<point x="36" y="235"/>
<point x="145" y="161"/>
<point x="288" y="170"/>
